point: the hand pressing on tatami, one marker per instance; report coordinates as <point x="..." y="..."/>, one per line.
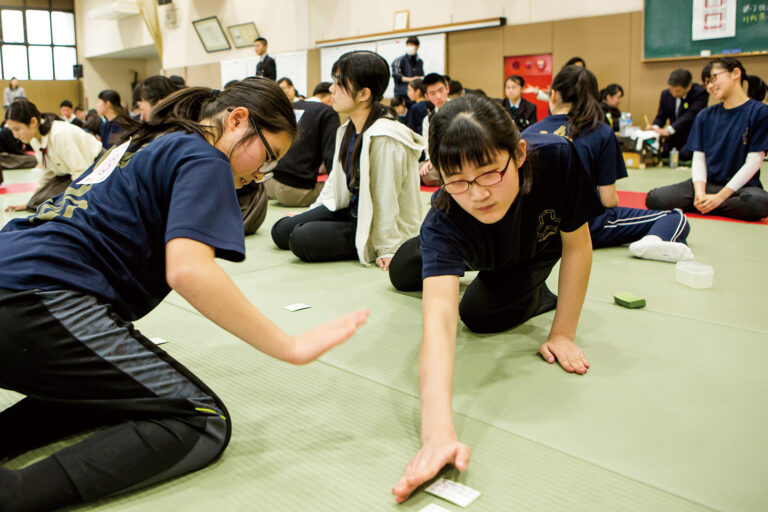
<point x="384" y="262"/>
<point x="312" y="344"/>
<point x="565" y="351"/>
<point x="434" y="454"/>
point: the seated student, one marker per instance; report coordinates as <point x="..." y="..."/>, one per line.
<point x="400" y="107"/>
<point x="419" y="106"/>
<point x="371" y="202"/>
<point x="680" y="104"/>
<point x="178" y="80"/>
<point x="13" y="91"/>
<point x="576" y="114"/>
<point x="610" y="99"/>
<point x="511" y="209"/>
<point x="63" y="150"/>
<point x="295" y="177"/>
<point x="729" y="141"/>
<point x="67" y="314"/>
<point x="93" y="122"/>
<point x="80" y="115"/>
<point x="436" y="86"/>
<point x="455" y="90"/>
<point x="68" y="115"/>
<point x="523" y="112"/>
<point x="151" y="90"/>
<point x="286" y="84"/>
<point x="12" y="156"/>
<point x="109" y="108"/>
<point x="322" y="93"/>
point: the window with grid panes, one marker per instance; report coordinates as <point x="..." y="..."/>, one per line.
<point x="37" y="39"/>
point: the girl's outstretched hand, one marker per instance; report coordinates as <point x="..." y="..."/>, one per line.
<point x="428" y="462"/>
<point x="312" y="344"/>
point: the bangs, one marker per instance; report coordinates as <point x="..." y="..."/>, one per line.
<point x="464" y="143"/>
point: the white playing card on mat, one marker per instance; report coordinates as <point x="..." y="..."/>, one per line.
<point x="454" y="492"/>
<point x="296" y="307"/>
<point x="434" y="508"/>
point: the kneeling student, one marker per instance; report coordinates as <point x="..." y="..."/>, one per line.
<point x="576" y="114"/>
<point x="511" y="209"/>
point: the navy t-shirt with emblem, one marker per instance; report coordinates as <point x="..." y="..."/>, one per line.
<point x="727" y="135"/>
<point x="562" y="198"/>
<point x="107" y="238"/>
<point x="598" y="148"/>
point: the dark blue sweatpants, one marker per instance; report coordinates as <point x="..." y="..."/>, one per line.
<point x="620" y="225"/>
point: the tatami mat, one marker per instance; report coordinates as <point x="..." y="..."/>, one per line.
<point x="669" y="417"/>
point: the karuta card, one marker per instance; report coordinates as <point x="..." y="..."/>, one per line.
<point x="454" y="492"/>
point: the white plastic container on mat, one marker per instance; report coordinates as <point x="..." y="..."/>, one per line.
<point x="694" y="274"/>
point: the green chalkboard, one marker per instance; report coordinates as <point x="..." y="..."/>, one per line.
<point x="667" y="30"/>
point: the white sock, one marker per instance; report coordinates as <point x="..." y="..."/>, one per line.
<point x="652" y="247"/>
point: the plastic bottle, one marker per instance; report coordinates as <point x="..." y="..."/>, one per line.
<point x="623" y="124"/>
<point x="674" y="158"/>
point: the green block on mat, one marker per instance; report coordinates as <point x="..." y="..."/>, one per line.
<point x="629" y="300"/>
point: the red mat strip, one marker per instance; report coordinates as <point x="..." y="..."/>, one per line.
<point x="15" y="188"/>
<point x="637" y="200"/>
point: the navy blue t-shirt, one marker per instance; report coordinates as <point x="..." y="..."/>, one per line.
<point x="598" y="148"/>
<point x="108" y="238"/>
<point x="562" y="198"/>
<point x="107" y="131"/>
<point x="353" y="189"/>
<point x="727" y="135"/>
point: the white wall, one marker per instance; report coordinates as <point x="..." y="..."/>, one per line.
<point x="332" y="19"/>
<point x="102" y="37"/>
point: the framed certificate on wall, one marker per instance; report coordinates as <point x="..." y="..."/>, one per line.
<point x="244" y="34"/>
<point x="211" y="34"/>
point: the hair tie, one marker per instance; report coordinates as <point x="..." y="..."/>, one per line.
<point x="215" y="93"/>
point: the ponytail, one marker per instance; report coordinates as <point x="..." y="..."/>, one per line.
<point x="23" y="111"/>
<point x="756" y="87"/>
<point x="578" y="86"/>
<point x="182" y="111"/>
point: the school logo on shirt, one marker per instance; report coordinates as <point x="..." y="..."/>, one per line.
<point x="549" y="225"/>
<point x="745" y="137"/>
<point x="560" y="131"/>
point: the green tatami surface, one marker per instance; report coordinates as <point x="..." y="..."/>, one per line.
<point x="670" y="416"/>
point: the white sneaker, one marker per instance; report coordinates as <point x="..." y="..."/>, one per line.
<point x="652" y="247"/>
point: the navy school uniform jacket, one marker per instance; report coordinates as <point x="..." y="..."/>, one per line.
<point x="105" y="235"/>
<point x="409" y="66"/>
<point x="525" y="115"/>
<point x="416" y="115"/>
<point x="682" y="121"/>
<point x="267" y="68"/>
<point x="316" y="143"/>
<point x="612" y="116"/>
<point x="562" y="198"/>
<point x="598" y="148"/>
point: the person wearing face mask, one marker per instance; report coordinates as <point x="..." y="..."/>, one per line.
<point x="407" y="68"/>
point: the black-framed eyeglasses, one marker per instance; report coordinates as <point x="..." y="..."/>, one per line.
<point x="713" y="76"/>
<point x="487" y="179"/>
<point x="268" y="167"/>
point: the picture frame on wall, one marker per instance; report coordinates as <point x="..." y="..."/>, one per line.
<point x="243" y="34"/>
<point x="211" y="34"/>
<point x="401" y="20"/>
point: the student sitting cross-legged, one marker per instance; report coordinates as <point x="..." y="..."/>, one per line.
<point x="370" y="204"/>
<point x="576" y="114"/>
<point x="511" y="209"/>
<point x="729" y="141"/>
<point x="152" y="215"/>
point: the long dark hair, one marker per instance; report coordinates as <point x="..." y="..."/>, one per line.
<point x="756" y="87"/>
<point x="610" y="91"/>
<point x="471" y="130"/>
<point x="23" y="111"/>
<point x="154" y="89"/>
<point x="578" y="86"/>
<point x="353" y="72"/>
<point x="182" y="111"/>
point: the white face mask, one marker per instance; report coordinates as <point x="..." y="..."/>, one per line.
<point x="410" y="50"/>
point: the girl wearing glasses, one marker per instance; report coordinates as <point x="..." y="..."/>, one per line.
<point x="511" y="209"/>
<point x="148" y="217"/>
<point x="729" y="141"/>
<point x="370" y="204"/>
<point x="577" y="114"/>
